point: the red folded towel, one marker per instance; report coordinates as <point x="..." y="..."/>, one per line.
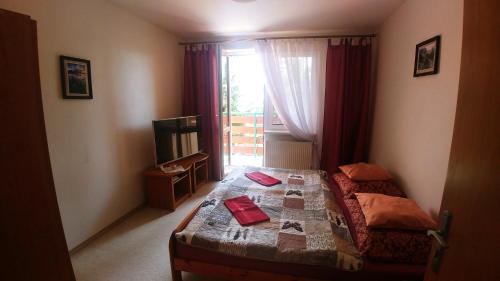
<point x="245" y="211"/>
<point x="263" y="179"/>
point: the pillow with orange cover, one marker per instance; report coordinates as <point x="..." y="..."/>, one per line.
<point x="365" y="172"/>
<point x="382" y="211"/>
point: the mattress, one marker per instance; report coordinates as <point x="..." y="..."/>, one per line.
<point x="306" y="225"/>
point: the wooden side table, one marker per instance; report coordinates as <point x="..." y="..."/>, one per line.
<point x="169" y="190"/>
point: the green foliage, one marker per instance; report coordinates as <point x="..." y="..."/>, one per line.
<point x="235" y="93"/>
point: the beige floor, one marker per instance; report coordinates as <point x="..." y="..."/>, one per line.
<point x="137" y="248"/>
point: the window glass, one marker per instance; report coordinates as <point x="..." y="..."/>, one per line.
<point x="275" y="119"/>
<point x="272" y="121"/>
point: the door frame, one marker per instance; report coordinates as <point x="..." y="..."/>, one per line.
<point x="224" y="129"/>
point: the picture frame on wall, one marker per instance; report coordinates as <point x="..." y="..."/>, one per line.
<point x="427" y="55"/>
<point x="76" y="80"/>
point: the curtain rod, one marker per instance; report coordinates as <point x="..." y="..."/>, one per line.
<point x="278" y="37"/>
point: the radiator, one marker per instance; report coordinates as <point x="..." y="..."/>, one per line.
<point x="288" y="154"/>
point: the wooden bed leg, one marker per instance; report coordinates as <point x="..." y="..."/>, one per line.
<point x="176" y="275"/>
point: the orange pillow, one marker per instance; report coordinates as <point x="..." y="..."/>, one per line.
<point x="365" y="172"/>
<point x="382" y="211"/>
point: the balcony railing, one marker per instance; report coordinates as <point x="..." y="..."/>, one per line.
<point x="247" y="134"/>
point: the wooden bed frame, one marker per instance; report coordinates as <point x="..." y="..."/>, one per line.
<point x="216" y="268"/>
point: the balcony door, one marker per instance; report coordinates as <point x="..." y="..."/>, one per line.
<point x="242" y="106"/>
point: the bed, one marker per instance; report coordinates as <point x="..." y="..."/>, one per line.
<point x="307" y="238"/>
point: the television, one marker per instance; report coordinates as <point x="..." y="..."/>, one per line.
<point x="176" y="138"/>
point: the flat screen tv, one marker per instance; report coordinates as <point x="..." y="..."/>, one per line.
<point x="176" y="138"/>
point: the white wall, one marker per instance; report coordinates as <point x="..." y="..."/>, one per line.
<point x="100" y="147"/>
<point x="414" y="117"/>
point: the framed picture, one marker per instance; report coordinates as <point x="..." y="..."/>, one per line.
<point x="427" y="57"/>
<point x="75" y="78"/>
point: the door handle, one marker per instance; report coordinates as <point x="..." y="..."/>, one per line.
<point x="440" y="235"/>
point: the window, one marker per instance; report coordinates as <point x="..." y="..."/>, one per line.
<point x="272" y="122"/>
<point x="248" y="92"/>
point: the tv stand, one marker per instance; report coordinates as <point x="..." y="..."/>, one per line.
<point x="173" y="168"/>
<point x="168" y="189"/>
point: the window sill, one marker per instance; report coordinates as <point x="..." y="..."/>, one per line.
<point x="277" y="132"/>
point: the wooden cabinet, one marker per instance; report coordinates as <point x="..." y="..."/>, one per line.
<point x="168" y="190"/>
<point x="32" y="240"/>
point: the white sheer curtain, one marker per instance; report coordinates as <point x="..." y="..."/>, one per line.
<point x="294" y="72"/>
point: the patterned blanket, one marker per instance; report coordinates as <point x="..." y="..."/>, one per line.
<point x="306" y="225"/>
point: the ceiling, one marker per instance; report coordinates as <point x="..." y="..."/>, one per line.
<point x="204" y="19"/>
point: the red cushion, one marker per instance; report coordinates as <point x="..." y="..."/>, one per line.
<point x="360" y="230"/>
<point x="349" y="187"/>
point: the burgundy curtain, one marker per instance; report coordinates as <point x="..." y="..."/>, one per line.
<point x="347" y="98"/>
<point x="201" y="97"/>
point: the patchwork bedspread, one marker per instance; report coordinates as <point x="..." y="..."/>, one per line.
<point x="306" y="225"/>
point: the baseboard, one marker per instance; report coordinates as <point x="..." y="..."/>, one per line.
<point x="106" y="229"/>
